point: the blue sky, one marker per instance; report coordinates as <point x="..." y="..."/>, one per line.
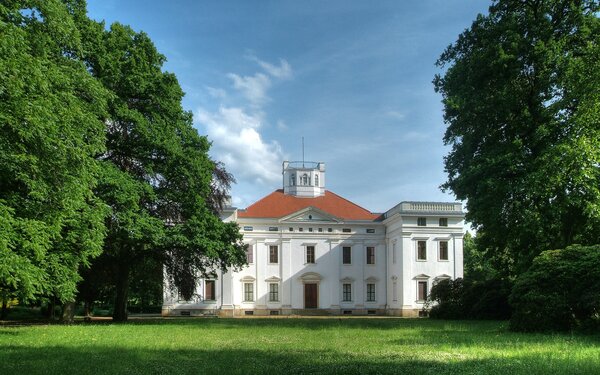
<point x="351" y="77"/>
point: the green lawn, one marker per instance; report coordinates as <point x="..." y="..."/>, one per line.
<point x="292" y="346"/>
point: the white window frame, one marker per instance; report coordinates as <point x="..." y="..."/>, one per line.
<point x="447" y="251"/>
<point x="270" y="292"/>
<point x="417" y="250"/>
<point x="251" y="283"/>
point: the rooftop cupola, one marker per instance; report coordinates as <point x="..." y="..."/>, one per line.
<point x="304" y="179"/>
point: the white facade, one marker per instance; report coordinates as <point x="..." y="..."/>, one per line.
<point x="330" y="256"/>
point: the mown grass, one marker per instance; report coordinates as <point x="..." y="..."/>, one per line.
<point x="293" y="346"/>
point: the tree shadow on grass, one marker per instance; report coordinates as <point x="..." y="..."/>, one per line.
<point x="322" y="323"/>
<point x="104" y="360"/>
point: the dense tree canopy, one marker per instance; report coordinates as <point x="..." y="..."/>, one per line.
<point x="51" y="129"/>
<point x="521" y="95"/>
<point x="97" y="153"/>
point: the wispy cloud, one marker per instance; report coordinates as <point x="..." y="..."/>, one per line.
<point x="216" y="93"/>
<point x="281" y="71"/>
<point x="254" y="88"/>
<point x="238" y="143"/>
<point x="236" y="130"/>
<point x="396" y="115"/>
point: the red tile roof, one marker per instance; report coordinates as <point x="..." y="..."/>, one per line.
<point x="277" y="205"/>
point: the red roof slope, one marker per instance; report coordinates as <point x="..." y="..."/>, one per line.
<point x="277" y="204"/>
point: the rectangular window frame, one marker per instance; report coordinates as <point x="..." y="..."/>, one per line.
<point x="210" y="290"/>
<point x="422" y="221"/>
<point x="443" y="250"/>
<point x="250" y="254"/>
<point x="273" y="292"/>
<point x="443" y="222"/>
<point x="273" y="254"/>
<point x="346" y="292"/>
<point x="248" y="292"/>
<point x="370" y="255"/>
<point x="422" y="289"/>
<point x="371" y="296"/>
<point x="421" y="250"/>
<point x="311" y="253"/>
<point x="347" y="255"/>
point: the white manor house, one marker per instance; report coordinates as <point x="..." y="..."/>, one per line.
<point x="311" y="251"/>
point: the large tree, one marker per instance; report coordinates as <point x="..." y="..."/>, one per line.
<point x="97" y="154"/>
<point x="164" y="190"/>
<point x="51" y="129"/>
<point x="521" y="96"/>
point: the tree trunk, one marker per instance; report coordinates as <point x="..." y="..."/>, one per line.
<point x="68" y="312"/>
<point x="4" y="311"/>
<point x="86" y="311"/>
<point x="120" y="311"/>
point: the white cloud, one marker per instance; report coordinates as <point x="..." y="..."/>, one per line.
<point x="254" y="88"/>
<point x="238" y="144"/>
<point x="396" y="115"/>
<point x="281" y="125"/>
<point x="283" y="71"/>
<point x="235" y="131"/>
<point x="216" y="93"/>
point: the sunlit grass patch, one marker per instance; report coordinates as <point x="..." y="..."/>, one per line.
<point x="293" y="346"/>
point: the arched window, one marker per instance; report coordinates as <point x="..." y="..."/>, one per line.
<point x="317" y="180"/>
<point x="292" y="179"/>
<point x="304" y="179"/>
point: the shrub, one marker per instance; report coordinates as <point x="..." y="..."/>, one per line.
<point x="466" y="299"/>
<point x="559" y="292"/>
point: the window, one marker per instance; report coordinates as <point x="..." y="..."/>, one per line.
<point x="305" y="180"/>
<point x="292" y="179"/>
<point x="249" y="255"/>
<point x="248" y="292"/>
<point x="421" y="290"/>
<point x="422" y="221"/>
<point x="300" y="229"/>
<point x="273" y="254"/>
<point x="346" y="230"/>
<point x="443" y="222"/>
<point x="310" y="254"/>
<point x="310" y="229"/>
<point x="329" y="230"/>
<point x="248" y="228"/>
<point x="273" y="229"/>
<point x="291" y="229"/>
<point x="370" y="292"/>
<point x="370" y="255"/>
<point x="443" y="250"/>
<point x="346" y="255"/>
<point x="209" y="290"/>
<point x="320" y="230"/>
<point x="316" y="180"/>
<point x="346" y="292"/>
<point x="370" y="230"/>
<point x="273" y="292"/>
<point x="421" y="250"/>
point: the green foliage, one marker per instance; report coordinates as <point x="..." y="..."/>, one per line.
<point x="470" y="299"/>
<point x="51" y="129"/>
<point x="157" y="175"/>
<point x="561" y="291"/>
<point x="521" y="96"/>
<point x="96" y="153"/>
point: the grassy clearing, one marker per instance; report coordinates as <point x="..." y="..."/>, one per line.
<point x="293" y="346"/>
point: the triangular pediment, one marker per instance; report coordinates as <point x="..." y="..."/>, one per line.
<point x="308" y="215"/>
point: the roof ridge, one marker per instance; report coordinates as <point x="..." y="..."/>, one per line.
<point x="263" y="198"/>
<point x="349" y="201"/>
